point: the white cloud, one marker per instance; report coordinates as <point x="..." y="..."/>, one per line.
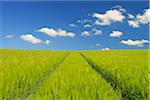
<point x="134" y="23"/>
<point x="87" y="25"/>
<point x="9" y="36"/>
<point x="134" y="42"/>
<point x="85" y="33"/>
<point x="146" y="41"/>
<point x="145" y="18"/>
<point x="30" y="38"/>
<point x="97" y="44"/>
<point x="109" y="17"/>
<point x="89" y="14"/>
<point x="53" y="33"/>
<point x="120" y="8"/>
<point x="78" y="21"/>
<point x="105" y="48"/>
<point x="96" y="31"/>
<point x="140" y="19"/>
<point x="47" y="42"/>
<point x="116" y="34"/>
<point x="86" y="20"/>
<point x="131" y="16"/>
<point x="72" y="25"/>
<point x="83" y="21"/>
<point x="34" y="40"/>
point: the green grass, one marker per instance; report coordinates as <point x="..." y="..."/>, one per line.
<point x="20" y="70"/>
<point x="127" y="69"/>
<point x="79" y="75"/>
<point x="75" y="80"/>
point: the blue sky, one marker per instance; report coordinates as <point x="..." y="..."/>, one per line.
<point x="28" y="25"/>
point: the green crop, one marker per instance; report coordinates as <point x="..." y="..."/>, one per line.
<point x="74" y="75"/>
<point x="21" y="70"/>
<point x="126" y="70"/>
<point x="75" y="80"/>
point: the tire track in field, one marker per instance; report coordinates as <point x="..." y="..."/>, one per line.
<point x="112" y="81"/>
<point x="40" y="81"/>
<point x="100" y="71"/>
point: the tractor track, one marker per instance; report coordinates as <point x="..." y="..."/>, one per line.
<point x="40" y="81"/>
<point x="126" y="95"/>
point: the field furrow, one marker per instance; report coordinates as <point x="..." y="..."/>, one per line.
<point x="21" y="72"/>
<point x="41" y="80"/>
<point x="107" y="77"/>
<point x="126" y="71"/>
<point x="74" y="75"/>
<point x="75" y="80"/>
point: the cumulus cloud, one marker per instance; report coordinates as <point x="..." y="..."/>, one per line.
<point x="105" y="48"/>
<point x="89" y="14"/>
<point x="134" y="42"/>
<point x="109" y="17"/>
<point x="87" y="25"/>
<point x="85" y="33"/>
<point x="140" y="19"/>
<point x="53" y="33"/>
<point x="78" y="21"/>
<point x="9" y="36"/>
<point x="72" y="25"/>
<point x="120" y="8"/>
<point x="93" y="31"/>
<point x="47" y="42"/>
<point x="97" y="44"/>
<point x="134" y="23"/>
<point x="145" y="17"/>
<point x="83" y="21"/>
<point x="116" y="34"/>
<point x="130" y="16"/>
<point x="96" y="31"/>
<point x="32" y="39"/>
